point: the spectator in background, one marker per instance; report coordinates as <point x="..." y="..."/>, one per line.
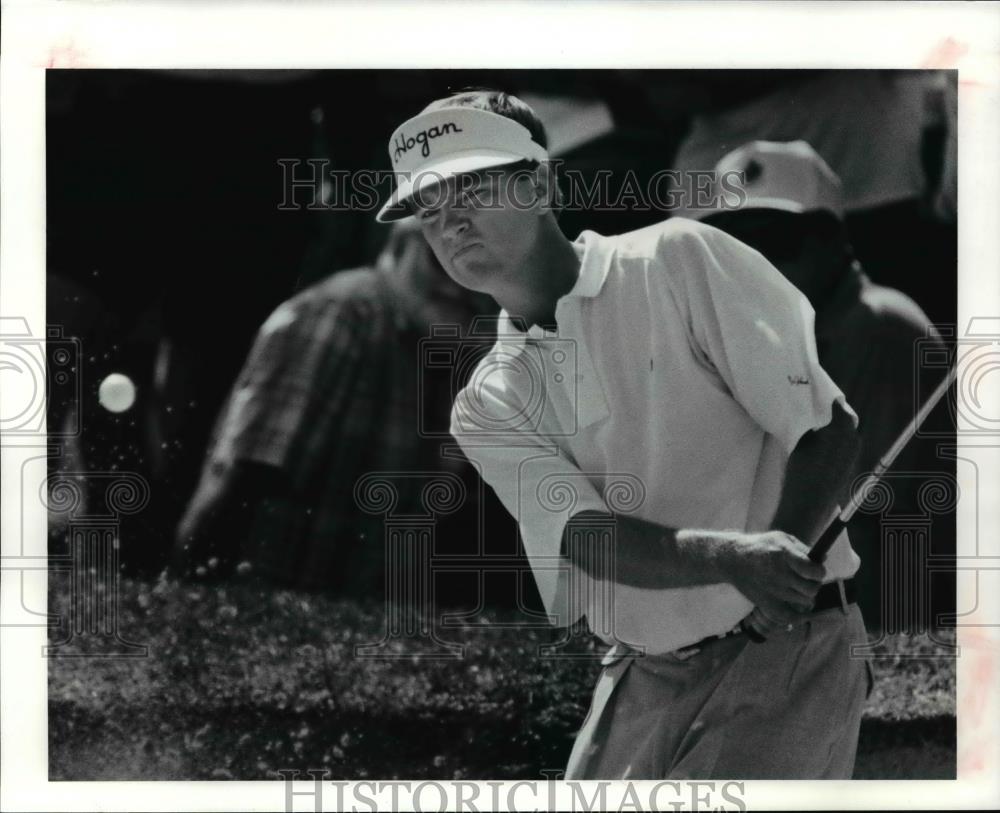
<point x="328" y="393"/>
<point x="885" y="134"/>
<point x="866" y="334"/>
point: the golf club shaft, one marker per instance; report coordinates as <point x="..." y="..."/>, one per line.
<point x="822" y="545"/>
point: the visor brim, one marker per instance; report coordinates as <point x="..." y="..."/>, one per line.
<point x="398" y="205"/>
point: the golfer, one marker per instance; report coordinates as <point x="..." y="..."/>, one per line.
<point x="678" y="359"/>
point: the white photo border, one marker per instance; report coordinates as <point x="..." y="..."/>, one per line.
<point x="265" y="35"/>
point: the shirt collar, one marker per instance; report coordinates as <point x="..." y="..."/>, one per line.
<point x="596" y="253"/>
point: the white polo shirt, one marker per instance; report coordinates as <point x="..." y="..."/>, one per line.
<point x="682" y="375"/>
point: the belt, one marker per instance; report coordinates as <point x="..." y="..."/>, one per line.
<point x="827" y="597"/>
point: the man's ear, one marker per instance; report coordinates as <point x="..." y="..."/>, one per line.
<point x="547" y="187"/>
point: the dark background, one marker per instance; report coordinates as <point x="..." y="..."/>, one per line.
<point x="167" y="249"/>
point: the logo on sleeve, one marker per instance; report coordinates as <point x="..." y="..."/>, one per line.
<point x="796" y="380"/>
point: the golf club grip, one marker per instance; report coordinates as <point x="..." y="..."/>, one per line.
<point x="818" y="552"/>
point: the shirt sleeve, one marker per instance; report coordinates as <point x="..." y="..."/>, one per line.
<point x="537" y="482"/>
<point x="275" y="388"/>
<point x="755" y="330"/>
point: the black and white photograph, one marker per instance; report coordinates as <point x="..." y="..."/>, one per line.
<point x="504" y="433"/>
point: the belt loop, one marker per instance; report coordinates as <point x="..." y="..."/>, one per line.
<point x="843" y="596"/>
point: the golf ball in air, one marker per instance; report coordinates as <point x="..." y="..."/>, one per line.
<point x="116" y="393"/>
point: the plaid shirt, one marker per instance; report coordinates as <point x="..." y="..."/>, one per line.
<point x="328" y="394"/>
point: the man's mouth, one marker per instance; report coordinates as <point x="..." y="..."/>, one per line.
<point x="464" y="250"/>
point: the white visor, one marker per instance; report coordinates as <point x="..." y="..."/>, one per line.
<point x="439" y="144"/>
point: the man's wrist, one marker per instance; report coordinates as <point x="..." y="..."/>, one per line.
<point x="714" y="553"/>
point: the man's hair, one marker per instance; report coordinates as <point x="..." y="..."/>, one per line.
<point x="496" y="101"/>
<point x="509" y="106"/>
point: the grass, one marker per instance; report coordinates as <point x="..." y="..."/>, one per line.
<point x="242" y="681"/>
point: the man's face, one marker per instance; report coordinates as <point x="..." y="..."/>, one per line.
<point x="437" y="297"/>
<point x="481" y="226"/>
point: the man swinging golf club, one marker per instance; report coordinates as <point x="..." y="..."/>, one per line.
<point x="681" y="358"/>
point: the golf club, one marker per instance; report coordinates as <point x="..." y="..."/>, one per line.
<point x="819" y="550"/>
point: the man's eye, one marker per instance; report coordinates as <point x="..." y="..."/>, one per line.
<point x="428" y="214"/>
<point x="474" y="198"/>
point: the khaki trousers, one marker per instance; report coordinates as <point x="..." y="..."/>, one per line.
<point x="789" y="708"/>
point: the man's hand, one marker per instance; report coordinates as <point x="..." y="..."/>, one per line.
<point x="773" y="570"/>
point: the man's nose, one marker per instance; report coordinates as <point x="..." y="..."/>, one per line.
<point x="456" y="220"/>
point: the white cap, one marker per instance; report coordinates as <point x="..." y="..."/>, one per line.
<point x="438" y="144"/>
<point x="789" y="176"/>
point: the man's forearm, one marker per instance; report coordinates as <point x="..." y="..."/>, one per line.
<point x="646" y="554"/>
<point x="816" y="478"/>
